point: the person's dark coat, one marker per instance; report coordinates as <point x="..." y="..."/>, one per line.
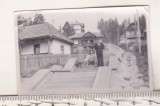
<point x="99" y="48"/>
<point x="99" y="52"/>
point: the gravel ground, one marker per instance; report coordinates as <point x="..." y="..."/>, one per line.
<point x="132" y="73"/>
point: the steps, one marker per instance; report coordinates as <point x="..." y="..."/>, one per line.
<point x="102" y="80"/>
<point x="68" y="80"/>
<point x="90" y="69"/>
<point x="69" y="66"/>
<point x="35" y="80"/>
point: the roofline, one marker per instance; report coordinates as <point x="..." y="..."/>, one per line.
<point x="87" y="33"/>
<point x="62" y="39"/>
<point x="83" y="37"/>
<point x="47" y="36"/>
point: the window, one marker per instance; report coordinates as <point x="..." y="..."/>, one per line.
<point x="82" y="42"/>
<point x="79" y="42"/>
<point x="86" y="41"/>
<point x="36" y="48"/>
<point x="62" y="49"/>
<point x="75" y="41"/>
<point x="91" y="41"/>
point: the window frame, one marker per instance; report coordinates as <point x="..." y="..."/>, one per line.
<point x="36" y="48"/>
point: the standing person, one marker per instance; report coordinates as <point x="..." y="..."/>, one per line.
<point x="99" y="52"/>
<point x="81" y="55"/>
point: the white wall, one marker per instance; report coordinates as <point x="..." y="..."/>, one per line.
<point x="44" y="47"/>
<point x="55" y="47"/>
<point x="77" y="28"/>
<point x="75" y="41"/>
<point x="29" y="48"/>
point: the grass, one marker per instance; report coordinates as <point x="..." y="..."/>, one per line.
<point x="142" y="63"/>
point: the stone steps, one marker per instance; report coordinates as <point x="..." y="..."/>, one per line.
<point x="88" y="69"/>
<point x="102" y="80"/>
<point x="68" y="80"/>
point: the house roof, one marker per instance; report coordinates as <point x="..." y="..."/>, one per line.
<point x="77" y="23"/>
<point x="84" y="34"/>
<point x="78" y="35"/>
<point x="97" y="34"/>
<point x="132" y="26"/>
<point x="41" y="30"/>
<point x="66" y="26"/>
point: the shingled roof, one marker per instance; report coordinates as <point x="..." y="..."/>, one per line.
<point x="80" y="35"/>
<point x="41" y="30"/>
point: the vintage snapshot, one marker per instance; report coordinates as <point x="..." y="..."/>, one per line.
<point x="90" y="50"/>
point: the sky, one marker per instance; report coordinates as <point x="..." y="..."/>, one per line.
<point x="88" y="16"/>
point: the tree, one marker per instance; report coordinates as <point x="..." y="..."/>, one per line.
<point x="109" y="28"/>
<point x="38" y="19"/>
<point x="21" y="20"/>
<point x="102" y="25"/>
<point x="142" y="22"/>
<point x="122" y="28"/>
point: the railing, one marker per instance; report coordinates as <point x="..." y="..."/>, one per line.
<point x="31" y="63"/>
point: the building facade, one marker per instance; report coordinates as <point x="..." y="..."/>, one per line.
<point x="74" y="28"/>
<point x="87" y="40"/>
<point x="42" y="39"/>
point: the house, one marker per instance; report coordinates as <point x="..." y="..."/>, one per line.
<point x="130" y="35"/>
<point x="42" y="38"/>
<point x="78" y="27"/>
<point x="71" y="29"/>
<point x="87" y="40"/>
<point x="131" y="32"/>
<point x="68" y="29"/>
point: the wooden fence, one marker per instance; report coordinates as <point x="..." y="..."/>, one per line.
<point x="31" y="63"/>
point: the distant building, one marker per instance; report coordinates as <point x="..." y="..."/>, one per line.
<point x="21" y="20"/>
<point x="68" y="29"/>
<point x="71" y="29"/>
<point x="43" y="38"/>
<point x="78" y="27"/>
<point x="130" y="34"/>
<point x="130" y="38"/>
<point x="87" y="40"/>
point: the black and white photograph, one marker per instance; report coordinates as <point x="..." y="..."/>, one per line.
<point x="86" y="50"/>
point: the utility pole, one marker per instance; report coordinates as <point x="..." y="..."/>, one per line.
<point x="53" y="22"/>
<point x="126" y="34"/>
<point x="135" y="22"/>
<point x="139" y="34"/>
<point x="118" y="38"/>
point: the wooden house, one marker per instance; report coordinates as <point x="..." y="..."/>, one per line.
<point x="87" y="40"/>
<point x="42" y="38"/>
<point x="130" y="35"/>
<point x="71" y="29"/>
<point x="68" y="29"/>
